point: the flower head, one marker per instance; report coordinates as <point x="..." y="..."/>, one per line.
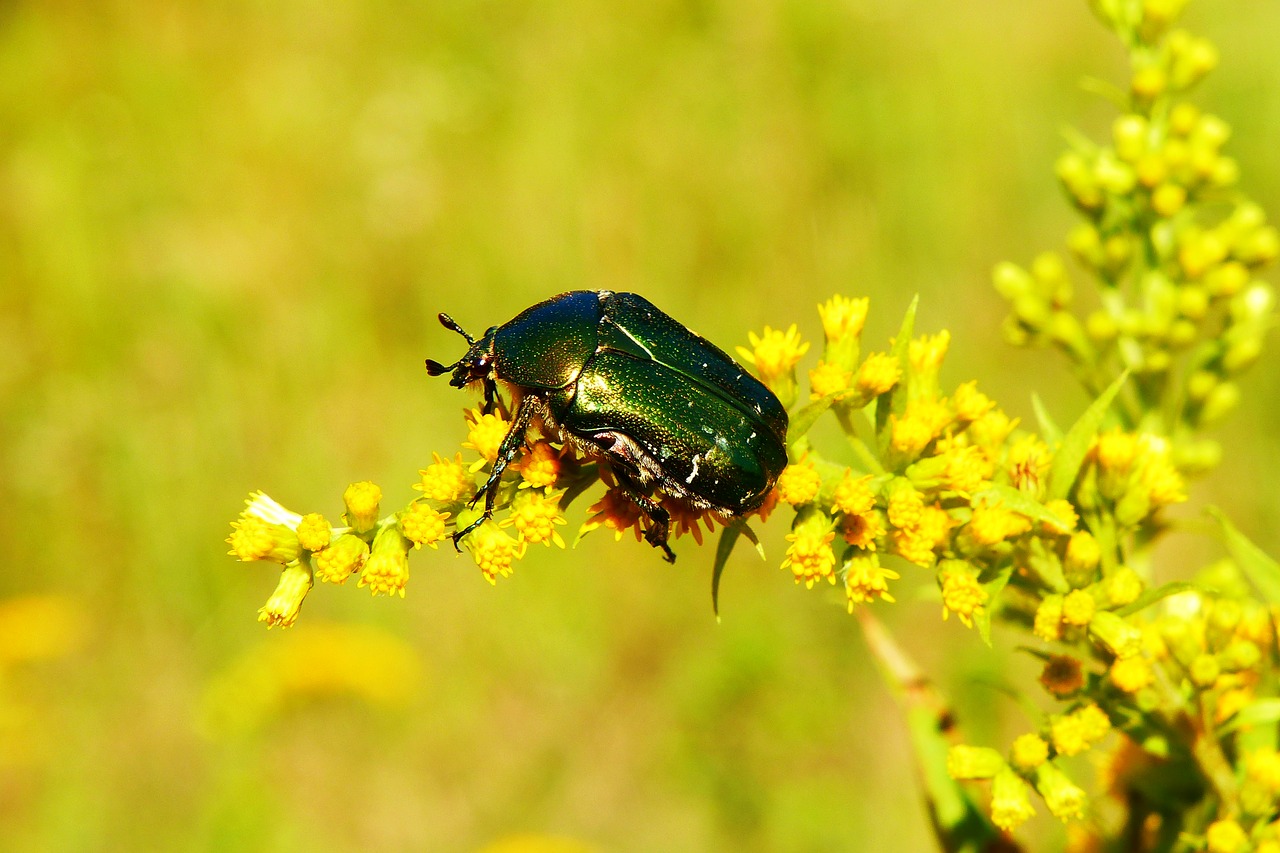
<point x="828" y="378"/>
<point x="961" y="592"/>
<point x="809" y="556"/>
<point x="1062" y="676"/>
<point x="362" y="501"/>
<point x="387" y="569"/>
<point x="344" y="556"/>
<point x="843" y="317"/>
<point x="865" y="580"/>
<point x="535" y="515"/>
<point x="423" y="525"/>
<point x="774" y="353"/>
<point x="1010" y="800"/>
<point x="540" y="468"/>
<point x="799" y="482"/>
<point x="615" y="511"/>
<point x="493" y="549"/>
<point x="285" y="603"/>
<point x="314" y="532"/>
<point x="485" y="433"/>
<point x="446" y="480"/>
<point x="877" y="374"/>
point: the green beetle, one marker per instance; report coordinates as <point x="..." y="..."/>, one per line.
<point x="667" y="411"/>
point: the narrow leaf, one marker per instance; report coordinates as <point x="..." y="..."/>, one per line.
<point x="1020" y="502"/>
<point x="728" y="539"/>
<point x="803" y="420"/>
<point x="993" y="588"/>
<point x="1161" y="592"/>
<point x="1075" y="446"/>
<point x="1261" y="569"/>
<point x="895" y="399"/>
<point x="1049" y="430"/>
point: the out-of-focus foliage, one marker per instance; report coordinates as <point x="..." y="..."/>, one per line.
<point x="224" y="233"/>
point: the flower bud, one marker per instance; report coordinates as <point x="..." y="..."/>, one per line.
<point x="1114" y="634"/>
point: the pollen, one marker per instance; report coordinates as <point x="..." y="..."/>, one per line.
<point x="484" y="435"/>
<point x="773" y="352"/>
<point x="314" y="532"/>
<point x="853" y="495"/>
<point x="798" y="483"/>
<point x="535" y="516"/>
<point x="877" y="374"/>
<point x="843" y="317"/>
<point x="423" y="525"/>
<point x="386" y="572"/>
<point x="865" y="580"/>
<point x="828" y="378"/>
<point x="362" y="500"/>
<point x="446" y="480"/>
<point x="344" y="557"/>
<point x="961" y="592"/>
<point x="809" y="556"/>
<point x="541" y="467"/>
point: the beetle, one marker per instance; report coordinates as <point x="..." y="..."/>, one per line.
<point x="669" y="412"/>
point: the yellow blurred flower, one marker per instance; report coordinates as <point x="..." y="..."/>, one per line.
<point x="773" y="352"/>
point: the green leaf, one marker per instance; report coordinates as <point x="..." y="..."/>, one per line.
<point x="1151" y="596"/>
<point x="1049" y="430"/>
<point x="802" y="421"/>
<point x="1075" y="446"/>
<point x="1261" y="569"/>
<point x="728" y="539"/>
<point x="1020" y="502"/>
<point x="895" y="399"/>
<point x="993" y="588"/>
<point x="1256" y="713"/>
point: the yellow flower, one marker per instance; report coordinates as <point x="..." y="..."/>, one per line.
<point x="688" y="519"/>
<point x="853" y="495"/>
<point x="799" y="483"/>
<point x="912" y="546"/>
<point x="961" y="592"/>
<point x="362" y="500"/>
<point x="969" y="403"/>
<point x="863" y="530"/>
<point x="314" y="532"/>
<point x="423" y="525"/>
<point x="865" y="580"/>
<point x="992" y="523"/>
<point x="493" y="550"/>
<point x="990" y="431"/>
<point x="1131" y="674"/>
<point x="1010" y="800"/>
<point x="1263" y="766"/>
<point x="877" y="374"/>
<point x="809" y="556"/>
<point x="935" y="525"/>
<point x="1225" y="836"/>
<point x="446" y="480"/>
<point x="909" y="434"/>
<point x="968" y="468"/>
<point x="1083" y="553"/>
<point x="828" y="378"/>
<point x="535" y="516"/>
<point x="1028" y="752"/>
<point x="1062" y="675"/>
<point x="773" y="353"/>
<point x="1048" y="621"/>
<point x="1064" y="799"/>
<point x="1123" y="587"/>
<point x="485" y="433"/>
<point x="1078" y="608"/>
<point x="1076" y="732"/>
<point x="253" y="538"/>
<point x="905" y="504"/>
<point x="541" y="467"/>
<point x="1066" y="512"/>
<point x="843" y="317"/>
<point x="387" y="569"/>
<point x="1028" y="464"/>
<point x="973" y="762"/>
<point x="283" y="606"/>
<point x="341" y="559"/>
<point x="1115" y="450"/>
<point x="1157" y="474"/>
<point x="927" y="352"/>
<point x="615" y="511"/>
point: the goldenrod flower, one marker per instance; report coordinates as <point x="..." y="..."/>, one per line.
<point x="1117" y="635"/>
<point x="446" y="480"/>
<point x="927" y="352"/>
<point x="423" y="525"/>
<point x="990" y="431"/>
<point x="283" y="606"/>
<point x="1078" y="608"/>
<point x="615" y="511"/>
<point x="993" y="522"/>
<point x="1064" y="799"/>
<point x="1028" y="464"/>
<point x="1115" y="450"/>
<point x="387" y="569"/>
<point x="1157" y="474"/>
<point x="314" y="532"/>
<point x="935" y="525"/>
<point x="912" y="546"/>
<point x="878" y="373"/>
<point x="1082" y="555"/>
<point x="961" y="592"/>
<point x="1226" y="836"/>
<point x="493" y="550"/>
<point x="485" y="432"/>
<point x="344" y="557"/>
<point x="966" y="763"/>
<point x="773" y="353"/>
<point x="905" y="504"/>
<point x="853" y="495"/>
<point x="1131" y="674"/>
<point x="362" y="500"/>
<point x="865" y="580"/>
<point x="969" y="403"/>
<point x="1062" y="676"/>
<point x="253" y="538"/>
<point x="1063" y="510"/>
<point x="910" y="434"/>
<point x="828" y="378"/>
<point x="540" y="468"/>
<point x="843" y="317"/>
<point x="967" y="468"/>
<point x="1028" y="752"/>
<point x="1204" y="671"/>
<point x="809" y="556"/>
<point x="1123" y="587"/>
<point x="1010" y="800"/>
<point x="1263" y="767"/>
<point x="1048" y="621"/>
<point x="535" y="516"/>
<point x="863" y="530"/>
<point x="686" y="518"/>
<point x="799" y="482"/>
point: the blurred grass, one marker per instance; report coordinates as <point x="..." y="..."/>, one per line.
<point x="224" y="232"/>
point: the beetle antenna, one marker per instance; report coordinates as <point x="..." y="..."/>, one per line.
<point x="452" y="325"/>
<point x="435" y="368"/>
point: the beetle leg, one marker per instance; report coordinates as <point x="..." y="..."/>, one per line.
<point x="660" y="520"/>
<point x="507" y="451"/>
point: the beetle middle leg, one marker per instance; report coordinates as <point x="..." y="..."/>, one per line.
<point x="507" y="451"/>
<point x="660" y="520"/>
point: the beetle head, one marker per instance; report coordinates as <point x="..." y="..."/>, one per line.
<point x="476" y="363"/>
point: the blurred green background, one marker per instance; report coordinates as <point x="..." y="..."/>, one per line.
<point x="225" y="230"/>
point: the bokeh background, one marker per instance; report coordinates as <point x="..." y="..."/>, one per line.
<point x="225" y="230"/>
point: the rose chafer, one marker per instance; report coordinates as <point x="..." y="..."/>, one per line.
<point x="669" y="412"/>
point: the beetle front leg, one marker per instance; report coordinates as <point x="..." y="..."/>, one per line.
<point x="507" y="451"/>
